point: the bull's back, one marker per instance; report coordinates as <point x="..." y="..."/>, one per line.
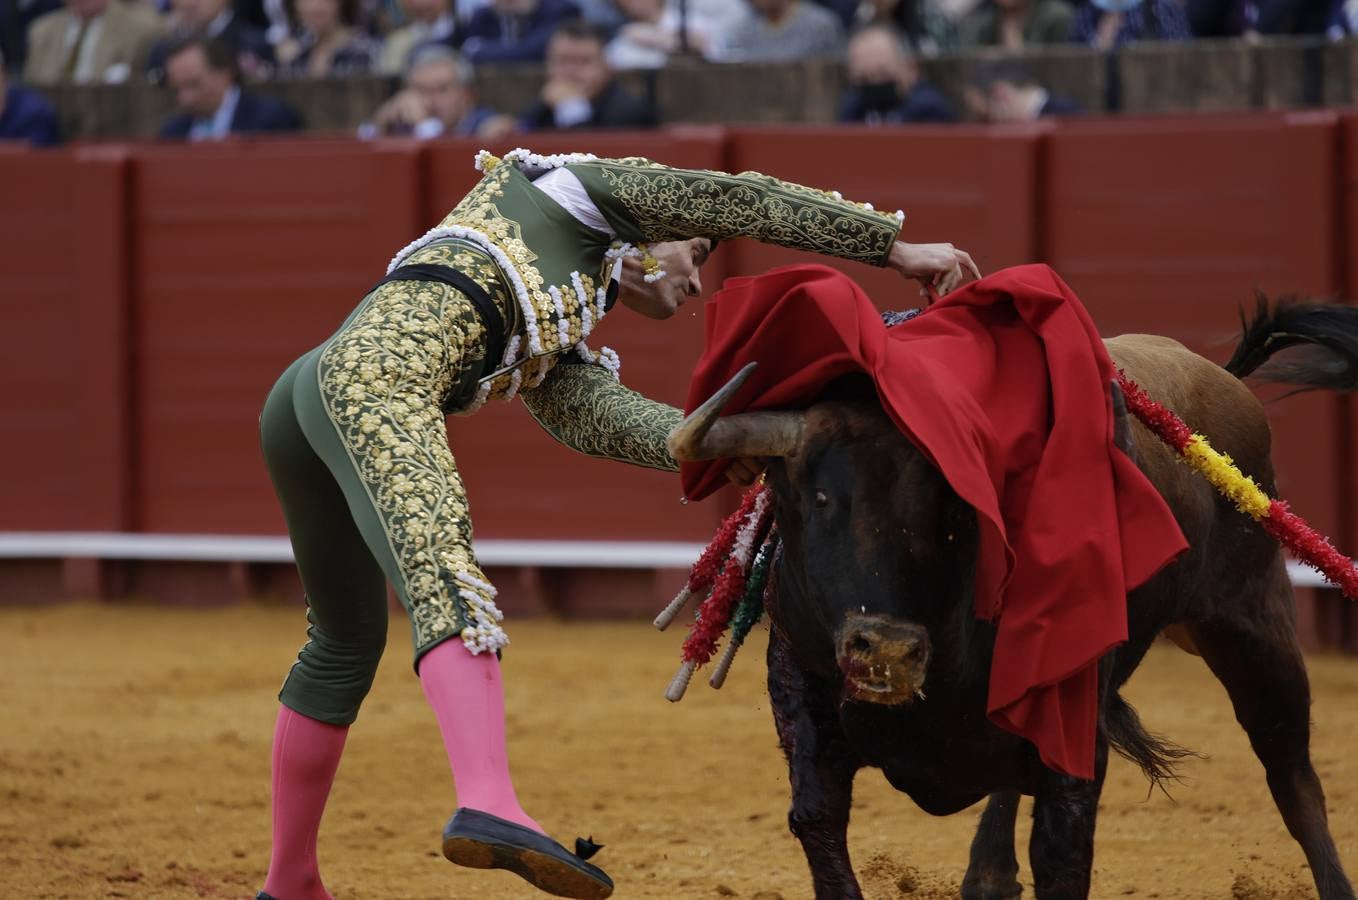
<point x="1210" y="400"/>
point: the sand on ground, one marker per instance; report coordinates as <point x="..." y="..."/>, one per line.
<point x="134" y="762"/>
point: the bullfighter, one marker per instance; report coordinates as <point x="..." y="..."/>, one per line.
<point x="496" y="301"/>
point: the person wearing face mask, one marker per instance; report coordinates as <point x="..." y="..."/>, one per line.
<point x="499" y="300"/>
<point x="1109" y="24"/>
<point x="885" y="85"/>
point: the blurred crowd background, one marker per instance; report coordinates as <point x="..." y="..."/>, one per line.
<point x="593" y="63"/>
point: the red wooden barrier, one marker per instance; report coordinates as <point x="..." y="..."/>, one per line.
<point x="1170" y="226"/>
<point x="65" y="432"/>
<point x="1347" y="257"/>
<point x="971" y="186"/>
<point x="246" y="256"/>
<point x="523" y="484"/>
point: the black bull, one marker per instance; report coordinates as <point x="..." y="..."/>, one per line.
<point x="875" y="657"/>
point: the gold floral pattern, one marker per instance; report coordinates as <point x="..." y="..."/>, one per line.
<point x="383" y="378"/>
<point x="675" y="204"/>
<point x="585" y="408"/>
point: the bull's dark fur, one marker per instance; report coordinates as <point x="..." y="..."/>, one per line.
<point x="872" y="532"/>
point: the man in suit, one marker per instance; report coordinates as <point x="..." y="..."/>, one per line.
<point x="437" y="101"/>
<point x="581" y="91"/>
<point x="91" y="42"/>
<point x="202" y="73"/>
<point x="885" y="87"/>
<point x="215" y="19"/>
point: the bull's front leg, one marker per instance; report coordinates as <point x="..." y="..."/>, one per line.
<point x="1061" y="851"/>
<point x="992" y="873"/>
<point x="821" y="767"/>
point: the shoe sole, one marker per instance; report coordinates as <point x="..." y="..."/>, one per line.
<point x="538" y="869"/>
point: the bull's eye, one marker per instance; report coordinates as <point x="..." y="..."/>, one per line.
<point x="822" y="501"/>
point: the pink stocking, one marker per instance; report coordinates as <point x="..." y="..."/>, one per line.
<point x="306" y="754"/>
<point x="469" y="702"/>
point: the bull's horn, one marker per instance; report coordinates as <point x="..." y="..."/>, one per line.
<point x="703" y="435"/>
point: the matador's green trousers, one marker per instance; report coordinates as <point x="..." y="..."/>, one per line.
<point x="356" y="444"/>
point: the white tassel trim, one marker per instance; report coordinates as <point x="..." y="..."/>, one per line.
<point x="484" y="633"/>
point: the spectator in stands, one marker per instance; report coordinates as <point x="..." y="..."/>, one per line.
<point x="202" y="73"/>
<point x="1343" y="20"/>
<point x="268" y="16"/>
<point x="1253" y="18"/>
<point x="650" y="36"/>
<point x="929" y="26"/>
<point x="91" y="41"/>
<point x="784" y="31"/>
<point x="658" y="29"/>
<point x="25" y="115"/>
<point x="513" y="30"/>
<point x="885" y="85"/>
<point x="581" y="91"/>
<point x="327" y="43"/>
<point x="1007" y="91"/>
<point x="1108" y="24"/>
<point x="1015" y="24"/>
<point x="431" y="21"/>
<point x="437" y="101"/>
<point x="215" y="19"/>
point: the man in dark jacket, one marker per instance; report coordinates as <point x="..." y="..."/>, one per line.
<point x="581" y="91"/>
<point x="512" y="30"/>
<point x="202" y="73"/>
<point x="885" y="85"/>
<point x="25" y="115"/>
<point x="1007" y="91"/>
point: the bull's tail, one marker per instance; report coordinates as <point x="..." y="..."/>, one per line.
<point x="1155" y="755"/>
<point x="1326" y="335"/>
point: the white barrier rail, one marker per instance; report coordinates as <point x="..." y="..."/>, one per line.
<point x="244" y="548"/>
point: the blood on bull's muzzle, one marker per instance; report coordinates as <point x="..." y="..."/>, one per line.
<point x="884" y="660"/>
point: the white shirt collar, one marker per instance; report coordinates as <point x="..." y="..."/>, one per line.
<point x="219" y="126"/>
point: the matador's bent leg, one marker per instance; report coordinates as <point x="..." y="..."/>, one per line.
<point x="370" y="403"/>
<point x="347" y="616"/>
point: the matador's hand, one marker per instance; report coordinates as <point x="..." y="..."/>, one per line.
<point x="745" y="470"/>
<point x="940" y="266"/>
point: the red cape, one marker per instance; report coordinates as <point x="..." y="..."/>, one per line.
<point x="1004" y="385"/>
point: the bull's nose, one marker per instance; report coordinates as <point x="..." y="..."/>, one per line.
<point x="877" y="640"/>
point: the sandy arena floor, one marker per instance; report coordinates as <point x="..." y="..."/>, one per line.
<point x="134" y="763"/>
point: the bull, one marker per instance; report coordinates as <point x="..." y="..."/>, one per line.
<point x="876" y="659"/>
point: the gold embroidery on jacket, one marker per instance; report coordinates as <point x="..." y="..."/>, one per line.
<point x="383" y="378"/>
<point x="675" y="204"/>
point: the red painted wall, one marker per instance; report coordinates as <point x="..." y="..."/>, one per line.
<point x="66" y="428"/>
<point x="1170" y="227"/>
<point x="244" y="257"/>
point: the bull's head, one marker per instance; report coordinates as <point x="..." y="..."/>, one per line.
<point x="878" y="550"/>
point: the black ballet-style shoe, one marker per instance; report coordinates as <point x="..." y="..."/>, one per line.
<point x="263" y="896"/>
<point x="479" y="840"/>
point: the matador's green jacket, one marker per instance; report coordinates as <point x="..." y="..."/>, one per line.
<point x="558" y="269"/>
